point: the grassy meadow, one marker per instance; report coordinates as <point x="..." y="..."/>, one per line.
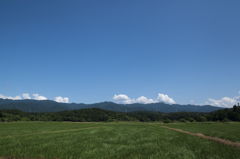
<point x="132" y="140"/>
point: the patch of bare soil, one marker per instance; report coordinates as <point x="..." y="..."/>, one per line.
<point x="216" y="139"/>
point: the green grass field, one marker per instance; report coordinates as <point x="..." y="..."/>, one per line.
<point x="229" y="131"/>
<point x="105" y="140"/>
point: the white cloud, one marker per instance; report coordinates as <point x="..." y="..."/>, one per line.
<point x="239" y="92"/>
<point x="225" y="102"/>
<point x="9" y="97"/>
<point x="37" y="97"/>
<point x="61" y="100"/>
<point x="144" y="100"/>
<point x="192" y="101"/>
<point x="122" y="98"/>
<point x="165" y="99"/>
<point x="26" y="96"/>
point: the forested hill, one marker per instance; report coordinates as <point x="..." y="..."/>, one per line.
<point x="96" y="114"/>
<point x="52" y="106"/>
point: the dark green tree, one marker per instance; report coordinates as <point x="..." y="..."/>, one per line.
<point x="234" y="108"/>
<point x="1" y="115"/>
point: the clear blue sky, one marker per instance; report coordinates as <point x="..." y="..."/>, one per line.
<point x="91" y="50"/>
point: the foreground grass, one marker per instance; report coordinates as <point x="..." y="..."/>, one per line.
<point x="228" y="131"/>
<point x="113" y="140"/>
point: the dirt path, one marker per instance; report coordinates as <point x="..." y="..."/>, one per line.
<point x="58" y="131"/>
<point x="216" y="139"/>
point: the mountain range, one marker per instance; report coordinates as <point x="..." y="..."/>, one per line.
<point x="29" y="105"/>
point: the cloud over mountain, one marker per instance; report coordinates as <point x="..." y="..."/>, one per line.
<point x="61" y="100"/>
<point x="122" y="98"/>
<point x="38" y="97"/>
<point x="35" y="97"/>
<point x="9" y="97"/>
<point x="165" y="99"/>
<point x="144" y="100"/>
<point x="26" y="96"/>
<point x="224" y="102"/>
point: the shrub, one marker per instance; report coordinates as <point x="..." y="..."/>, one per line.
<point x="25" y="119"/>
<point x="110" y="120"/>
<point x="182" y="120"/>
<point x="191" y="120"/>
<point x="59" y="118"/>
<point x="225" y="120"/>
<point x="17" y="118"/>
<point x="82" y="120"/>
<point x="167" y="120"/>
<point x="202" y="119"/>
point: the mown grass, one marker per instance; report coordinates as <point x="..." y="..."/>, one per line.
<point x="228" y="131"/>
<point x="112" y="140"/>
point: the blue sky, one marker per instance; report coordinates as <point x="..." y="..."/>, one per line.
<point x="184" y="52"/>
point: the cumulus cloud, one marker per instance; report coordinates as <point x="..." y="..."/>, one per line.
<point x="122" y="98"/>
<point x="26" y="96"/>
<point x="165" y="99"/>
<point x="9" y="97"/>
<point x="192" y="101"/>
<point x="38" y="97"/>
<point x="61" y="100"/>
<point x="144" y="100"/>
<point x="224" y="102"/>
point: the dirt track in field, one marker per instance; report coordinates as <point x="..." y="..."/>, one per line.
<point x="58" y="131"/>
<point x="216" y="139"/>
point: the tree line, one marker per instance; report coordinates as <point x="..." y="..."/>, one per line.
<point x="96" y="115"/>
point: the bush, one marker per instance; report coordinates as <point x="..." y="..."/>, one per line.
<point x="25" y="119"/>
<point x="81" y="120"/>
<point x="8" y="120"/>
<point x="167" y="120"/>
<point x="17" y="118"/>
<point x="191" y="120"/>
<point x="202" y="119"/>
<point x="225" y="120"/>
<point x="59" y="118"/>
<point x="110" y="120"/>
<point x="182" y="120"/>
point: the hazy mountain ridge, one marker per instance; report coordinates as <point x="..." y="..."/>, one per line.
<point x="52" y="106"/>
